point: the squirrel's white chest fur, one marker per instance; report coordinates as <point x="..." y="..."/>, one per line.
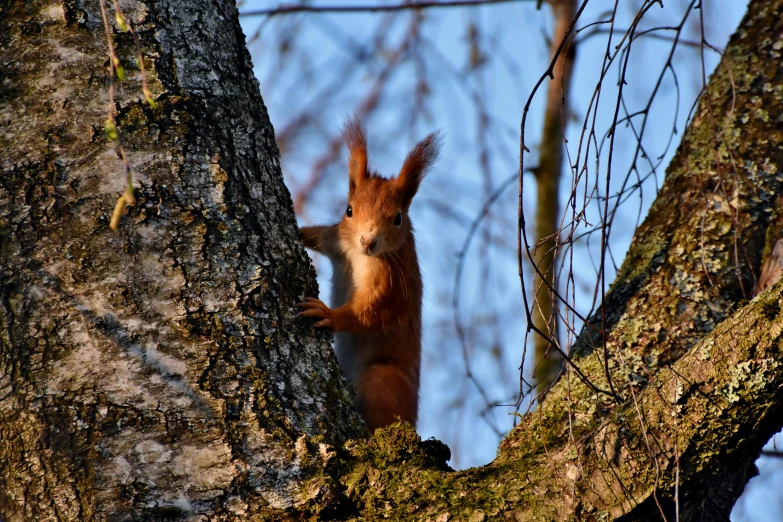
<point x="352" y="349"/>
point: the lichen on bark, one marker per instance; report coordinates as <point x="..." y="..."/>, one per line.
<point x="694" y="259"/>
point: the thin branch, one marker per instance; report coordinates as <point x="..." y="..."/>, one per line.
<point x="289" y="9"/>
<point x="112" y="133"/>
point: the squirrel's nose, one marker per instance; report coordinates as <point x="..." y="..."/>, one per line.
<point x="368" y="242"/>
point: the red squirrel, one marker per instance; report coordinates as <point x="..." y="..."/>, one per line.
<point x="376" y="283"/>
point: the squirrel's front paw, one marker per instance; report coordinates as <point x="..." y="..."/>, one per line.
<point x="316" y="308"/>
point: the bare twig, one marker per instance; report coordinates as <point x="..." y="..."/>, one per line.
<point x="303" y="8"/>
<point x="112" y="132"/>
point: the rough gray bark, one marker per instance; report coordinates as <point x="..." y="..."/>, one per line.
<point x="160" y="372"/>
<point x="160" y="369"/>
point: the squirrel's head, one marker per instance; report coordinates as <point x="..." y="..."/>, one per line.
<point x="376" y="219"/>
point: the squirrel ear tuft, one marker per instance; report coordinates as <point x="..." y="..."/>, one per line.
<point x="417" y="164"/>
<point x="357" y="146"/>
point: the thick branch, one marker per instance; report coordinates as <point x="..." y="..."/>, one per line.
<point x="695" y="257"/>
<point x="710" y="412"/>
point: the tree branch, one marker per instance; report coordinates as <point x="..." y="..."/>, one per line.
<point x="319" y="9"/>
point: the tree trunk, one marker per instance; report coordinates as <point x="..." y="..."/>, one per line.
<point x="547" y="362"/>
<point x="160" y="372"/>
<point x="160" y="369"/>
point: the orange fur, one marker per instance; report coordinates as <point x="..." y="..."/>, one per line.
<point x="376" y="283"/>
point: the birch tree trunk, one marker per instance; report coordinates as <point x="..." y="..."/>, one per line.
<point x="160" y="369"/>
<point x="159" y="372"/>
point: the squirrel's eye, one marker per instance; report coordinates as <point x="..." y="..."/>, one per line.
<point x="398" y="219"/>
<point x="349" y="211"/>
